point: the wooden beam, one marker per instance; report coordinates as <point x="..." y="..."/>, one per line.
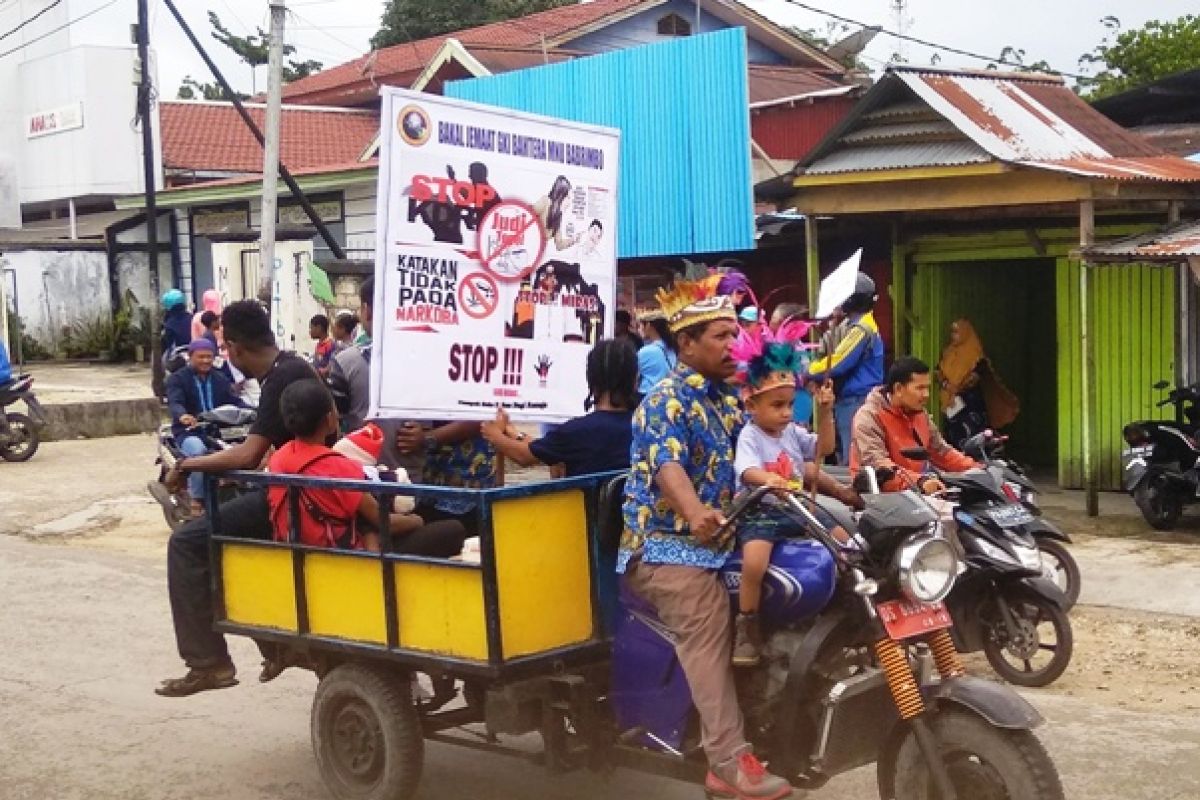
<point x="1087" y="236"/>
<point x="980" y="191"/>
<point x="813" y="261"/>
<point x="910" y="174"/>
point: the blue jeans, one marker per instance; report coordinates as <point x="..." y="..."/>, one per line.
<point x="844" y="409"/>
<point x="194" y="446"/>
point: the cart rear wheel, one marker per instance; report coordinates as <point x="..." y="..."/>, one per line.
<point x="366" y="734"/>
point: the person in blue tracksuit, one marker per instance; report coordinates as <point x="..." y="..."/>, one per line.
<point x="854" y="361"/>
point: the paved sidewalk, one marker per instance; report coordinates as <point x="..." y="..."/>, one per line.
<point x="84" y="382"/>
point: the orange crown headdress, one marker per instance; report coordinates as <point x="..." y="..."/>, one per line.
<point x="689" y="303"/>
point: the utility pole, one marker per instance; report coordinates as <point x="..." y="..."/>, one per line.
<point x="145" y="91"/>
<point x="270" y="186"/>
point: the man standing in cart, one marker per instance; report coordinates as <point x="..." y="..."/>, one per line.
<point x="682" y="479"/>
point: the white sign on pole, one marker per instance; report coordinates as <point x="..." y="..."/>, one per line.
<point x="496" y="266"/>
<point x="838" y="287"/>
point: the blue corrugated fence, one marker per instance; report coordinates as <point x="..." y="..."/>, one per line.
<point x="683" y="111"/>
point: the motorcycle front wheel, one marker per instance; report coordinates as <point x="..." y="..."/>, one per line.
<point x="984" y="762"/>
<point x="1040" y="649"/>
<point x="1061" y="567"/>
<point x="1160" y="506"/>
<point x="23" y="439"/>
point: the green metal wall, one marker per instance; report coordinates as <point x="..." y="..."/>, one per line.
<point x="1134" y="313"/>
<point x="1011" y="305"/>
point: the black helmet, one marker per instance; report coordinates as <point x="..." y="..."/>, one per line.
<point x="864" y="295"/>
<point x="863" y="284"/>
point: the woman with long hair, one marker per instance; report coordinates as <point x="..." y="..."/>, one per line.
<point x="550" y="211"/>
<point x="657" y="357"/>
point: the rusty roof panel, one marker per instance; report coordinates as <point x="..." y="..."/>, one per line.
<point x="1001" y="117"/>
<point x="1169" y="244"/>
<point x="899" y="156"/>
<point x="1153" y="168"/>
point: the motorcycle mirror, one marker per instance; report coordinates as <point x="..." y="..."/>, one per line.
<point x="915" y="453"/>
<point x="1161" y="385"/>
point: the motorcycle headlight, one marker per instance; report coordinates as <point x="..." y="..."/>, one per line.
<point x="926" y="568"/>
<point x="993" y="552"/>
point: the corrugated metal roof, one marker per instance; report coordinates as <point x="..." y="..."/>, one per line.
<point x="685" y="178"/>
<point x="1026" y="119"/>
<point x="925" y="131"/>
<point x="900" y="156"/>
<point x="1170" y="244"/>
<point x="1159" y="168"/>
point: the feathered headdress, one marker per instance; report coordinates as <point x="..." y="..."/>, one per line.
<point x="689" y="303"/>
<point x="766" y="361"/>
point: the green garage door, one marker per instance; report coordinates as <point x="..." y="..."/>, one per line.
<point x="1011" y="304"/>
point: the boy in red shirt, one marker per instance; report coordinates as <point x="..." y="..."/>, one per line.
<point x="318" y="329"/>
<point x="330" y="517"/>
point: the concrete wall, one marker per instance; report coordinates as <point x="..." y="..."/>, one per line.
<point x="56" y="288"/>
<point x="643" y="29"/>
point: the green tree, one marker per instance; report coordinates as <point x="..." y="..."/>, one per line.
<point x="410" y="20"/>
<point x="1127" y="59"/>
<point x="255" y="51"/>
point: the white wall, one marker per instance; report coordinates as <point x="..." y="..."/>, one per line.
<point x="57" y="288"/>
<point x="104" y="156"/>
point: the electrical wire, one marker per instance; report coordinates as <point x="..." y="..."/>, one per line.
<point x="64" y="26"/>
<point x="926" y="42"/>
<point x="32" y="19"/>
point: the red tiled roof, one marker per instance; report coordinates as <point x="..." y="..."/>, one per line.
<point x="210" y="136"/>
<point x="400" y="64"/>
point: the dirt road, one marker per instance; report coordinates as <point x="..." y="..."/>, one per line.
<point x="87" y="633"/>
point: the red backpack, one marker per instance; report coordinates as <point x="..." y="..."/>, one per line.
<point x="318" y="528"/>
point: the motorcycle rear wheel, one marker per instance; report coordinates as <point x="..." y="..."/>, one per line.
<point x="984" y="762"/>
<point x="1038" y="618"/>
<point x="25" y="440"/>
<point x="1159" y="505"/>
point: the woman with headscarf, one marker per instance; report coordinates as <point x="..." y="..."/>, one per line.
<point x="972" y="395"/>
<point x="210" y="301"/>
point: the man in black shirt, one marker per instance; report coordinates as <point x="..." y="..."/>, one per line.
<point x="252" y="350"/>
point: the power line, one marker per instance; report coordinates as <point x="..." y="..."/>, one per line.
<point x="64" y="26"/>
<point x="926" y="42"/>
<point x="32" y="19"/>
<point x="356" y="49"/>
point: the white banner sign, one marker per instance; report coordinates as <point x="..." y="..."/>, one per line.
<point x="496" y="267"/>
<point x="57" y="120"/>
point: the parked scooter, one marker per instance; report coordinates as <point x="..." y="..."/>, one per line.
<point x="852" y="637"/>
<point x="221" y="428"/>
<point x="1058" y="564"/>
<point x="1003" y="604"/>
<point x="1162" y="462"/>
<point x="19" y="438"/>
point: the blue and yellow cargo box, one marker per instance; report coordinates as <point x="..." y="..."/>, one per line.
<point x="532" y="599"/>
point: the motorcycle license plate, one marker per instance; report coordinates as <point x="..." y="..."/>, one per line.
<point x="1011" y="516"/>
<point x="904" y="619"/>
<point x="236" y="432"/>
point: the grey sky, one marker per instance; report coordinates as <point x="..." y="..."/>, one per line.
<point x="334" y="31"/>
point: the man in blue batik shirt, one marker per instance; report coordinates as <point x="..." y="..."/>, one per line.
<point x="681" y="482"/>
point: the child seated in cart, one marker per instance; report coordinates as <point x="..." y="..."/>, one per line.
<point x="332" y="517"/>
<point x="772" y="451"/>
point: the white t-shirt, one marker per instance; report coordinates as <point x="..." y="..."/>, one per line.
<point x="756" y="449"/>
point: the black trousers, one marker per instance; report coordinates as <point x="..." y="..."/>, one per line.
<point x="189" y="577"/>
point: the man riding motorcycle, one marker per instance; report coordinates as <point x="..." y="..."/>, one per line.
<point x="893" y="419"/>
<point x="190" y="392"/>
<point x="682" y="477"/>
